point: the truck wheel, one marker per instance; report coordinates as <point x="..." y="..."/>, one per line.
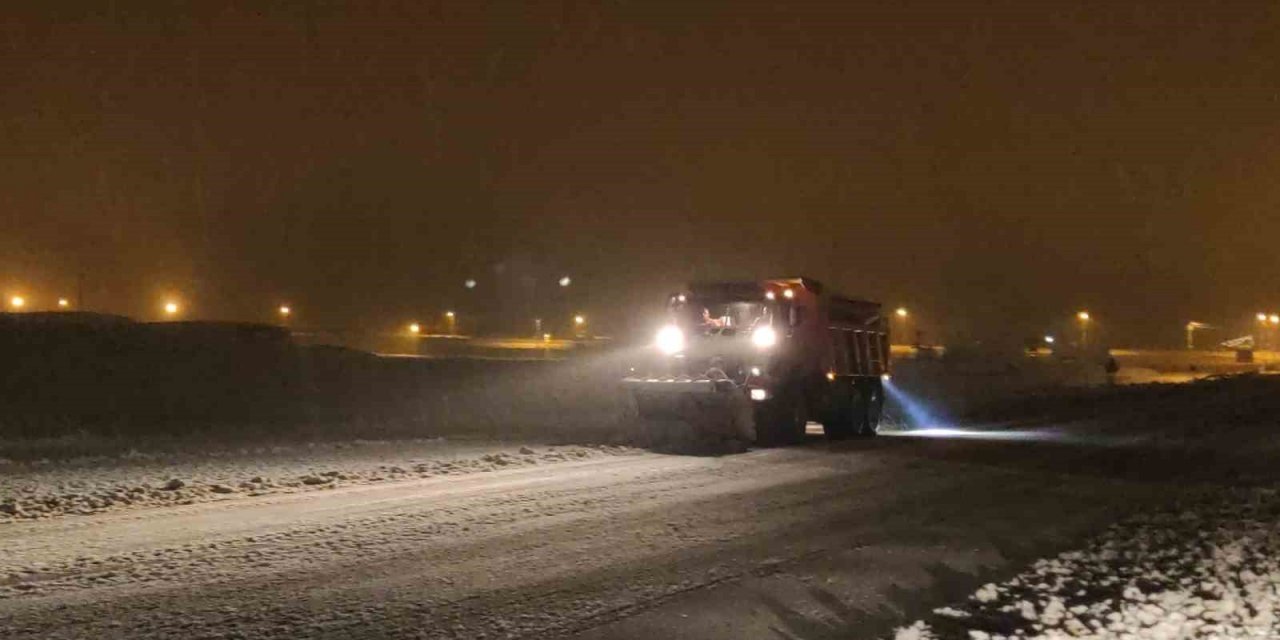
<point x="781" y="421"/>
<point x="871" y="410"/>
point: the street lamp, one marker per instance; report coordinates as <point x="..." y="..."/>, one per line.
<point x="579" y="320"/>
<point x="1049" y="340"/>
<point x="63" y="303"/>
<point x="904" y="317"/>
<point x="414" y="328"/>
<point x="1084" y="317"/>
<point x="17" y="302"/>
<point x="1263" y="319"/>
<point x="171" y="308"/>
<point x="453" y="322"/>
<point x="565" y="281"/>
<point x="285" y="311"/>
<point x="469" y="283"/>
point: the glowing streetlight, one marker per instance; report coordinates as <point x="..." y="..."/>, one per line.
<point x="470" y="283"/>
<point x="565" y="281"/>
<point x="1084" y="317"/>
<point x="1262" y="317"/>
<point x="579" y="320"/>
<point x="452" y="318"/>
<point x="171" y="308"/>
<point x="415" y="328"/>
<point x="901" y="312"/>
<point x="1274" y="318"/>
<point x="17" y="302"/>
<point x="1049" y="340"/>
<point x="285" y="311"/>
<point x="63" y="303"/>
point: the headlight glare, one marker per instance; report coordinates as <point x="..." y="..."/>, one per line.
<point x="670" y="340"/>
<point x="764" y="337"/>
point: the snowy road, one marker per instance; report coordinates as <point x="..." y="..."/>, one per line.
<point x="822" y="540"/>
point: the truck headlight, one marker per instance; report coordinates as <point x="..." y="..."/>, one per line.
<point x="670" y="340"/>
<point x="764" y="337"/>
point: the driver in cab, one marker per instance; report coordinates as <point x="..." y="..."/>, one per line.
<point x="709" y="322"/>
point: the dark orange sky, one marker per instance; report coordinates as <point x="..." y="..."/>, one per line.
<point x="973" y="160"/>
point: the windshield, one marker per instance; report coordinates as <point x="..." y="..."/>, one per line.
<point x="721" y="317"/>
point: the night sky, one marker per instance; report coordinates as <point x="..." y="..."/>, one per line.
<point x="995" y="166"/>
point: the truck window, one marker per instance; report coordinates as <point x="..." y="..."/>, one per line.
<point x="796" y="315"/>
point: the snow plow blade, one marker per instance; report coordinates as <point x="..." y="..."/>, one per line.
<point x="705" y="407"/>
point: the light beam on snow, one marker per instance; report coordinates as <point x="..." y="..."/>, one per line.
<point x="917" y="414"/>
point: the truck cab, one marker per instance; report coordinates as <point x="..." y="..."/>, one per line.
<point x="758" y="360"/>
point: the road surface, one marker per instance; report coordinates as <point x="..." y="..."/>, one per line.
<point x="824" y="540"/>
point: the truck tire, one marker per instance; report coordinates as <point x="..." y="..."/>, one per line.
<point x="872" y="407"/>
<point x="781" y="421"/>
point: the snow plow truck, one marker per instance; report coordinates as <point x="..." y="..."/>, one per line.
<point x="757" y="361"/>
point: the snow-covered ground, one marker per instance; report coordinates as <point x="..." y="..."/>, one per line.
<point x="139" y="479"/>
<point x="1208" y="567"/>
<point x="1165" y="496"/>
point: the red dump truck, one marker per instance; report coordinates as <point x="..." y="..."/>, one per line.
<point x="757" y="361"/>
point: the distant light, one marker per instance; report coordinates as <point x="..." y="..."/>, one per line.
<point x="172" y="308"/>
<point x="788" y="294"/>
<point x="831" y="375"/>
<point x="415" y="328"/>
<point x="1273" y="319"/>
<point x="17" y="302"/>
<point x="470" y="283"/>
<point x="1083" y="316"/>
<point x="755" y="371"/>
<point x="579" y="320"/>
<point x="285" y="310"/>
<point x="681" y="298"/>
<point x="64" y="303"/>
<point x="769" y="295"/>
<point x="1262" y="317"/>
<point x="902" y="312"/>
<point x="1049" y="339"/>
<point x="448" y="314"/>
<point x="546" y="337"/>
<point x="759" y="394"/>
<point x="565" y="281"/>
<point x="886" y="377"/>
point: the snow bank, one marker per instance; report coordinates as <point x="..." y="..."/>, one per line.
<point x="1208" y="567"/>
<point x="84" y="487"/>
